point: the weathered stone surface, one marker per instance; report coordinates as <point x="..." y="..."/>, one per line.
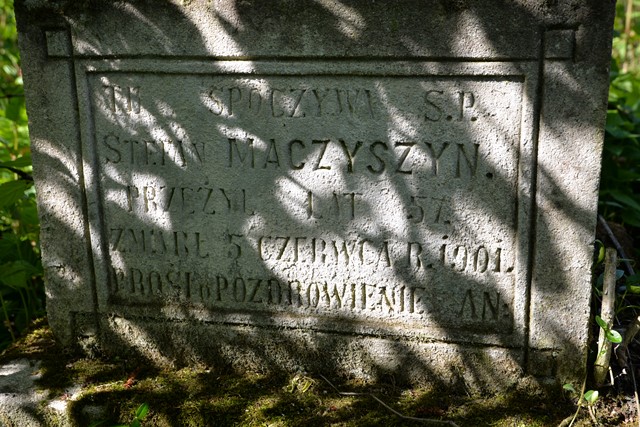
<point x="18" y="400"/>
<point x="24" y="402"/>
<point x="361" y="188"/>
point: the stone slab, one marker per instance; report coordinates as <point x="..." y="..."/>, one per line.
<point x="26" y="403"/>
<point x="362" y="188"/>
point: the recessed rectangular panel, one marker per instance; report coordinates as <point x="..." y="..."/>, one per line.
<point x="365" y="199"/>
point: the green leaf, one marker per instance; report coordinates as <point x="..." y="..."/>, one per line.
<point x="591" y="396"/>
<point x="600" y="252"/>
<point x="12" y="191"/>
<point x="142" y="411"/>
<point x="14" y="109"/>
<point x="569" y="387"/>
<point x="633" y="289"/>
<point x="609" y="203"/>
<point x="15" y="274"/>
<point x="613" y="336"/>
<point x="633" y="280"/>
<point x="21" y="162"/>
<point x="631" y="217"/>
<point x="602" y="323"/>
<point x="135" y="423"/>
<point x="626" y="199"/>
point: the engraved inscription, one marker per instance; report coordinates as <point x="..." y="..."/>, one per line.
<point x="455" y="160"/>
<point x="311" y="250"/>
<point x="487" y="306"/>
<point x="437" y="106"/>
<point x="151" y="152"/>
<point x="340" y="205"/>
<point x="376" y="200"/>
<point x="123" y="99"/>
<point x="268" y="291"/>
<point x="158" y="242"/>
<point x="187" y="200"/>
<point x="291" y="103"/>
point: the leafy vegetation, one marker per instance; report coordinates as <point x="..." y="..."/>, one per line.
<point x="140" y="415"/>
<point x="620" y="183"/>
<point x="21" y="285"/>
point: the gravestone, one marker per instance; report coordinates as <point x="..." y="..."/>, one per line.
<point x="364" y="188"/>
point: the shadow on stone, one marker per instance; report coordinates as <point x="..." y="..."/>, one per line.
<point x="349" y="188"/>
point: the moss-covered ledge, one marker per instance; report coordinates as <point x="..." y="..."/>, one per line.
<point x="87" y="391"/>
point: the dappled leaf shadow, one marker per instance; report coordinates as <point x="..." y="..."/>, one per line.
<point x="319" y="193"/>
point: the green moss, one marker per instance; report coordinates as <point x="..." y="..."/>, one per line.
<point x="191" y="397"/>
<point x="36" y="342"/>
